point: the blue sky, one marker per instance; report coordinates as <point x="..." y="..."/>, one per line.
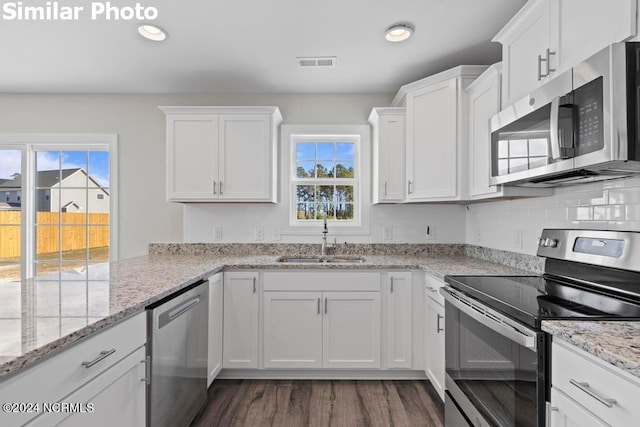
<point x="96" y="163"/>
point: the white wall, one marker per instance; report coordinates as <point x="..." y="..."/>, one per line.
<point x="409" y="223"/>
<point x="144" y="215"/>
<point x="612" y="205"/>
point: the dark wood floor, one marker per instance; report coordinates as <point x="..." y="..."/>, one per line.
<point x="321" y="403"/>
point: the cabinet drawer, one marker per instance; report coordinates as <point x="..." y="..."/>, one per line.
<point x="321" y="281"/>
<point x="432" y="286"/>
<point x="57" y="377"/>
<point x="591" y="382"/>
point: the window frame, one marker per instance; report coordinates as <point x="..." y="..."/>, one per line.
<point x="295" y="180"/>
<point x="360" y="135"/>
<point x="29" y="144"/>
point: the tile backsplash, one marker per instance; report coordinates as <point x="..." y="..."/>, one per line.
<point x="514" y="225"/>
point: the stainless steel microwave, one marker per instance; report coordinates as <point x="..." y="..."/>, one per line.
<point x="580" y="127"/>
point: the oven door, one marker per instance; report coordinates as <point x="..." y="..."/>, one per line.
<point x="495" y="369"/>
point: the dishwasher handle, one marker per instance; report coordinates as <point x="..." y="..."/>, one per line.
<point x="171" y="315"/>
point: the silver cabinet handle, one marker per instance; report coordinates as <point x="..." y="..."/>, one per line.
<point x="103" y="355"/>
<point x="549" y="55"/>
<point x="325" y="305"/>
<point x="540" y="75"/>
<point x="385" y="188"/>
<point x="549" y="410"/>
<point x="587" y="389"/>
<point x="408" y="186"/>
<point x="214" y="187"/>
<point x="318" y="305"/>
<point x="391" y="284"/>
<point x="220" y="187"/>
<point x="254" y="285"/>
<point x="438" y="328"/>
<point x="147" y="370"/>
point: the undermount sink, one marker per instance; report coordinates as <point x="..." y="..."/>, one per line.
<point x="320" y="259"/>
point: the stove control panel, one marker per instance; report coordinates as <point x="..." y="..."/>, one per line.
<point x="547" y="242"/>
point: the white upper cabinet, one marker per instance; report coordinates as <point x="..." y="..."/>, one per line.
<point x="484" y="101"/>
<point x="436" y="137"/>
<point x="581" y="28"/>
<point x="547" y="37"/>
<point x="389" y="128"/>
<point x="527" y="55"/>
<point x="222" y="154"/>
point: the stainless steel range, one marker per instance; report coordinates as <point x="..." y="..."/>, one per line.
<point x="497" y="357"/>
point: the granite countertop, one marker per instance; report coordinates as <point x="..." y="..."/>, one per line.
<point x="617" y="343"/>
<point x="39" y="318"/>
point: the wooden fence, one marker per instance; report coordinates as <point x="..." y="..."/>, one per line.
<point x="71" y="236"/>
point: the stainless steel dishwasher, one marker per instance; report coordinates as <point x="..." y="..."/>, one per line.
<point x="177" y="333"/>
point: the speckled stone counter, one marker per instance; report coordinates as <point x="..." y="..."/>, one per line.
<point x="617" y="343"/>
<point x="40" y="327"/>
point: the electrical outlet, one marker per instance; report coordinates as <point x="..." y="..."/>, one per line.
<point x="387" y="233"/>
<point x="430" y="232"/>
<point x="276" y="234"/>
<point x="517" y="239"/>
<point x="259" y="233"/>
<point x="217" y="234"/>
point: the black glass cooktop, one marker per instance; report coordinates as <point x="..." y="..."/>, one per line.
<point x="531" y="299"/>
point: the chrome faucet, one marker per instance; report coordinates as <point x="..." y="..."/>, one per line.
<point x="325" y="231"/>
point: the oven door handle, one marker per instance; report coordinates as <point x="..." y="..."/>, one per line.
<point x="501" y="324"/>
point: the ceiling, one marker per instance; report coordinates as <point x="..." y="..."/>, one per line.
<point x="248" y="46"/>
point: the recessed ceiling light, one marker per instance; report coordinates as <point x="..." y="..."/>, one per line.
<point x="152" y="32"/>
<point x="398" y="32"/>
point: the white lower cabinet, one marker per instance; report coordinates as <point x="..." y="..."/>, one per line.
<point x="214" y="362"/>
<point x="293" y="329"/>
<point x="434" y="342"/>
<point x="587" y="391"/>
<point x="321" y="330"/>
<point x="351" y="330"/>
<point x="117" y="398"/>
<point x="565" y="412"/>
<point x="241" y="320"/>
<point x="398" y="290"/>
<point x="106" y="370"/>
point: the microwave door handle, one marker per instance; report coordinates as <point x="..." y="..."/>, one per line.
<point x="554" y="129"/>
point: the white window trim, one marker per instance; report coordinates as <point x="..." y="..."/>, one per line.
<point x="28" y="143"/>
<point x="362" y="166"/>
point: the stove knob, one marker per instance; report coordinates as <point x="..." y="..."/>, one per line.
<point x="550" y="243"/>
<point x="540" y="241"/>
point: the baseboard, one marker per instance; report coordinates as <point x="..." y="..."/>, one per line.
<point x="321" y="374"/>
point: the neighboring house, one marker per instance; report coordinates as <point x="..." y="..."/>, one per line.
<point x="68" y="190"/>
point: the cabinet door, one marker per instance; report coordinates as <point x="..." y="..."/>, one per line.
<point x="292" y="330"/>
<point x="435" y="345"/>
<point x="192" y="157"/>
<point x="246" y="157"/>
<point x="391" y="158"/>
<point x="399" y="320"/>
<point x="484" y="102"/>
<point x="565" y="412"/>
<point x="214" y="363"/>
<point x="351" y="330"/>
<point x="241" y="320"/>
<point x="117" y="398"/>
<point x="528" y="38"/>
<point x="432" y="142"/>
<point x="586" y="26"/>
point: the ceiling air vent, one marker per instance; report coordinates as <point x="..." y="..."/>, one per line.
<point x="317" y="62"/>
